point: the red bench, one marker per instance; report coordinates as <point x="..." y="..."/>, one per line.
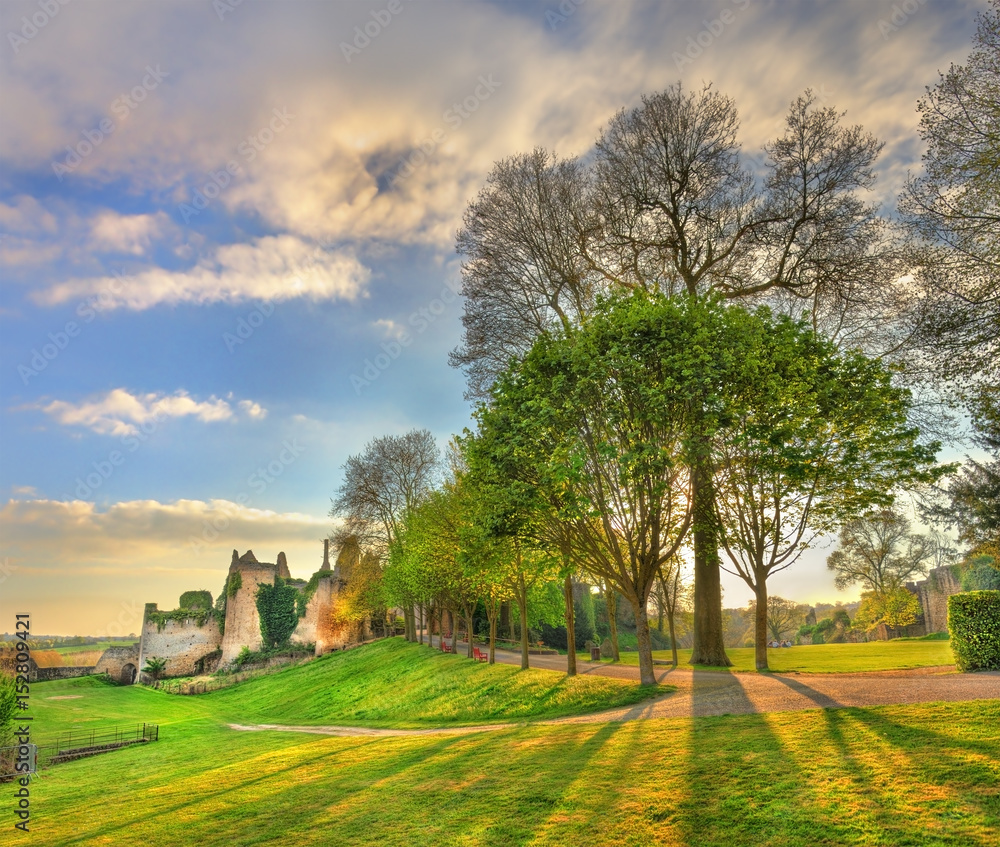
<point x="479" y="655"/>
<point x="445" y="647"/>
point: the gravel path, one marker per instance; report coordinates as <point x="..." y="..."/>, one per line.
<point x="702" y="693"/>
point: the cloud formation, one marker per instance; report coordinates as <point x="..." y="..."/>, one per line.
<point x="271" y="268"/>
<point x="121" y="413"/>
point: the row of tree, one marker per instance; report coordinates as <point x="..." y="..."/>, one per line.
<point x="682" y="350"/>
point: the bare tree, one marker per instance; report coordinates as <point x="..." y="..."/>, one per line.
<point x="524" y="271"/>
<point x="954" y="207"/>
<point x="380" y="488"/>
<point x="879" y="552"/>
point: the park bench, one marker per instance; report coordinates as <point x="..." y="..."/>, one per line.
<point x="445" y="647"/>
<point x="479" y="655"/>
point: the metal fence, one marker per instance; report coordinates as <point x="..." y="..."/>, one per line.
<point x="76" y="743"/>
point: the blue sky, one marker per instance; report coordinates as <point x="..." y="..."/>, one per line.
<point x="227" y="243"/>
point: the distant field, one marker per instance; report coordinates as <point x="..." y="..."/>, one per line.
<point x="99" y="647"/>
<point x="832" y="658"/>
<point x="902" y="775"/>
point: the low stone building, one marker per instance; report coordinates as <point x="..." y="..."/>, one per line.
<point x="120" y="663"/>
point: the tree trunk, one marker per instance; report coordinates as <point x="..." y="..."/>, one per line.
<point x="570" y="628"/>
<point x="522" y="608"/>
<point x="493" y="639"/>
<point x="611" y="602"/>
<point x="409" y="630"/>
<point x="420" y="623"/>
<point x="646" y="675"/>
<point x="506" y="620"/>
<point x="673" y="637"/>
<point x="760" y="626"/>
<point x="709" y="648"/>
<point x="454" y="631"/>
<point x="468" y="629"/>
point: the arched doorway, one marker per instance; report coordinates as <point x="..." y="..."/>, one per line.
<point x="128" y="674"/>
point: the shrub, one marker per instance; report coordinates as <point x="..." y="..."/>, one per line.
<point x="982" y="574"/>
<point x="195" y="600"/>
<point x="155" y="666"/>
<point x="974" y="624"/>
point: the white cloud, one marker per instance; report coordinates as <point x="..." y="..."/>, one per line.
<point x="114" y="233"/>
<point x="389" y="327"/>
<point x="271" y="268"/>
<point x="120" y="413"/>
<point x="251" y="409"/>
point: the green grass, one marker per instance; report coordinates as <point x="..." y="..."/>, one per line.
<point x="905" y="775"/>
<point x="832" y="658"/>
<point x="395" y="684"/>
<point x="386" y="684"/>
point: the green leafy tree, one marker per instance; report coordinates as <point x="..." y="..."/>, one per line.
<point x="380" y="487"/>
<point x="896" y="608"/>
<point x="982" y="573"/>
<point x="668" y="204"/>
<point x="817" y="438"/>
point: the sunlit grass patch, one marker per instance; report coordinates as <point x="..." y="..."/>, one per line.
<point x="832" y="658"/>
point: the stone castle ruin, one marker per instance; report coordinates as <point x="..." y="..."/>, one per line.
<point x="200" y="638"/>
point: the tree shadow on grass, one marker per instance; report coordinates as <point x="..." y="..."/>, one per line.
<point x="820" y="699"/>
<point x="756" y="791"/>
<point x="915" y="776"/>
<point x="247" y="779"/>
<point x="500" y="788"/>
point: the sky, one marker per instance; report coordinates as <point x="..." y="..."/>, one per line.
<point x="227" y="239"/>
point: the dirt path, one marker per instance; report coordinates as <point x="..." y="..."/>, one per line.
<point x="701" y="693"/>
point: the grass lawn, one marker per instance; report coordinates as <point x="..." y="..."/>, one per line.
<point x="905" y="775"/>
<point x="832" y="658"/>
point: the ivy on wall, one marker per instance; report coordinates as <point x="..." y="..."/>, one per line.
<point x="276" y="608"/>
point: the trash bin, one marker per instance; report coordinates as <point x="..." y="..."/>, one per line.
<point x="595" y="654"/>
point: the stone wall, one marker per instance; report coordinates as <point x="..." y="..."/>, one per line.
<point x="934" y="592"/>
<point x="120" y="663"/>
<point x="37" y="674"/>
<point x="182" y="643"/>
<point x="242" y="619"/>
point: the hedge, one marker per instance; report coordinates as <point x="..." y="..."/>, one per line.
<point x="974" y="624"/>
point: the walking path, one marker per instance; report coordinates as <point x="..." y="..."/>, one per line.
<point x="701" y="693"/>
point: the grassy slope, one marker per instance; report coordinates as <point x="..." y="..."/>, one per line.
<point x="387" y="684"/>
<point x="913" y="775"/>
<point x="392" y="683"/>
<point x="832" y="658"/>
